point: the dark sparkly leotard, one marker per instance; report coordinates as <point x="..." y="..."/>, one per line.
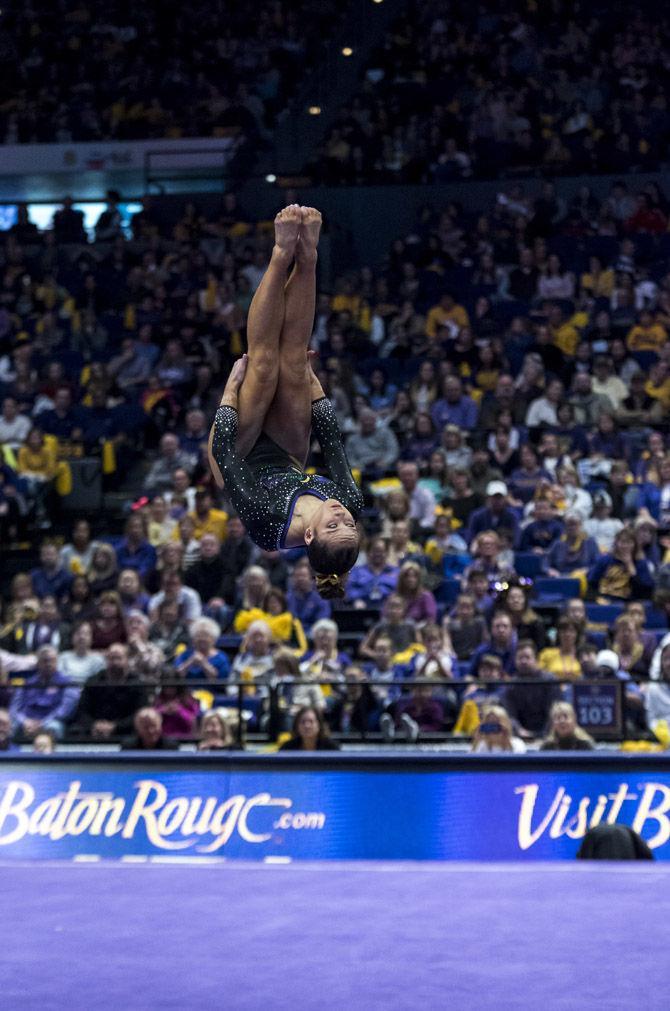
<point x="265" y="496"/>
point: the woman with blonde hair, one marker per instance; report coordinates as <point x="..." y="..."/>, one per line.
<point x="629" y="646"/>
<point x="21" y="591"/>
<point x="495" y="733"/>
<point x="103" y="573"/>
<point x="215" y="732"/>
<point x="487" y="554"/>
<point x="394" y="506"/>
<point x="565" y="734"/>
<point x="419" y="602"/>
<point x="400" y="547"/>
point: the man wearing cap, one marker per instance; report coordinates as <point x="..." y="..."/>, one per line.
<point x="495" y="515"/>
<point x="608" y="667"/>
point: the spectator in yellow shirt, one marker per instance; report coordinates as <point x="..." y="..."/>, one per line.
<point x="597" y="282"/>
<point x="646" y="335"/>
<point x="446" y="313"/>
<point x="564" y="332"/>
<point x="346" y="300"/>
<point x="36" y="458"/>
<point x="658" y="384"/>
<point x="206" y="518"/>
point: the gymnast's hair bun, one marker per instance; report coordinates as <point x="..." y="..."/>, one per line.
<point x="330" y="587"/>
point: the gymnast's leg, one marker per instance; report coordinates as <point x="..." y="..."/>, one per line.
<point x="288" y="420"/>
<point x="264" y="326"/>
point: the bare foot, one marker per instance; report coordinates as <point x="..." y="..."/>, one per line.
<point x="287" y="227"/>
<point x="309" y="232"/>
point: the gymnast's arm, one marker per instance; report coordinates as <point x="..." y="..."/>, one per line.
<point x="327" y="431"/>
<point x="229" y="467"/>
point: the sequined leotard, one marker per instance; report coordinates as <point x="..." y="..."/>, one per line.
<point x="265" y="499"/>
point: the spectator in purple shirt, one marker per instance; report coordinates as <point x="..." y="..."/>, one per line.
<point x="544" y="529"/>
<point x="415" y="714"/>
<point x="501" y="644"/>
<point x="369" y="585"/>
<point x="134" y="551"/>
<point x="50" y="579"/>
<point x="302" y="600"/>
<point x="46" y="701"/>
<point x="454" y="407"/>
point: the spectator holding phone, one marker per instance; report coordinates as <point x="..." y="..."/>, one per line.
<point x="495" y="733"/>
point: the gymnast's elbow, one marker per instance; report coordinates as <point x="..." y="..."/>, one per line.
<point x="214" y="467"/>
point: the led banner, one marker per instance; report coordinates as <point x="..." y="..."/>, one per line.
<point x="66" y="811"/>
<point x="186" y="152"/>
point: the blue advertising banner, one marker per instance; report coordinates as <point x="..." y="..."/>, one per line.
<point x="116" y="810"/>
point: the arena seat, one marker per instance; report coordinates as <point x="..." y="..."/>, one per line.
<point x="447" y="592"/>
<point x="546" y="588"/>
<point x="655" y="619"/>
<point x="603" y="614"/>
<point x="355" y="620"/>
<point x="528" y="564"/>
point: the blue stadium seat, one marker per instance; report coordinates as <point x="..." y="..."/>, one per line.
<point x="447" y="592"/>
<point x="462" y="669"/>
<point x="546" y="588"/>
<point x="655" y="619"/>
<point x="528" y="564"/>
<point x="603" y="614"/>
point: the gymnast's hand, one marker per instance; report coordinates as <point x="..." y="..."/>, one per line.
<point x="232" y="387"/>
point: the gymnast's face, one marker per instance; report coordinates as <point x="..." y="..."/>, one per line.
<point x="332" y="524"/>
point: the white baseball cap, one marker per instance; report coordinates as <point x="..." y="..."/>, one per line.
<point x="496" y="488"/>
<point x="608" y="658"/>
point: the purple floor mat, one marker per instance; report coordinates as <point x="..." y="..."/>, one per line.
<point x="334" y="936"/>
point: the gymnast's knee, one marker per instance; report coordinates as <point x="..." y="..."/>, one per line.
<point x="264" y="367"/>
<point x="294" y="369"/>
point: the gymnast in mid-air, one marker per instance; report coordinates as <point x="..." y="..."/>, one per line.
<point x="260" y="438"/>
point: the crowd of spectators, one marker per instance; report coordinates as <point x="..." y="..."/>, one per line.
<point x="117" y="71"/>
<point x="506" y="415"/>
<point x="460" y="90"/>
